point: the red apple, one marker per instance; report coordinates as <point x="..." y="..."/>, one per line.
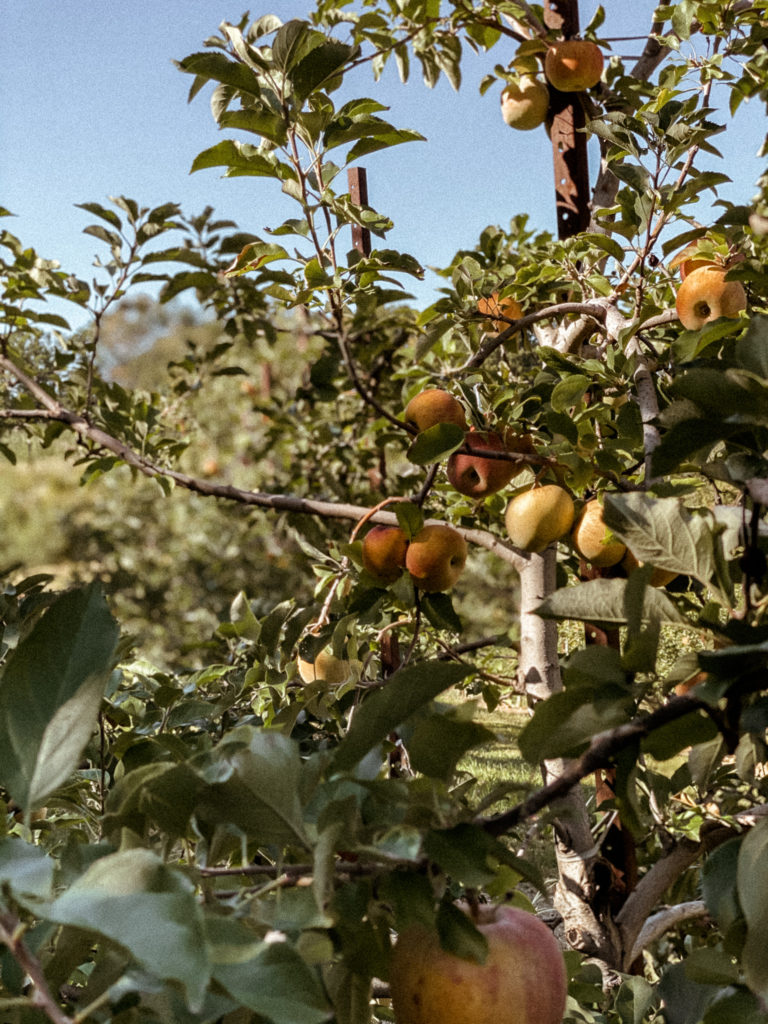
<point x="523" y="979"/>
<point x="475" y="476"/>
<point x="573" y="65"/>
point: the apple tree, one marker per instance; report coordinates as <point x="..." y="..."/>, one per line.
<point x="239" y="841"/>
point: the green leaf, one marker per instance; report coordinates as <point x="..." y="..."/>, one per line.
<point x="50" y="693"/>
<point x="260" y="121"/>
<point x="435" y="442"/>
<point x="410" y="518"/>
<point x="269" y="978"/>
<point x="458" y="935"/>
<point x="564" y="724"/>
<point x="293" y="42"/>
<point x="752" y="885"/>
<point x="149" y="909"/>
<point x="254" y="256"/>
<point x="661" y="532"/>
<point x="634" y="1000"/>
<point x="603" y="601"/>
<point x="440" y="613"/>
<point x="222" y="69"/>
<point x="719" y="883"/>
<point x="380" y="714"/>
<point x="325" y="62"/>
<point x="253" y="778"/>
<point x="240" y="158"/>
<point x="439" y="741"/>
<point x="26" y="870"/>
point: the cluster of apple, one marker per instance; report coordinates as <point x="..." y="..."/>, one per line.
<point x="570" y="65"/>
<point x="704" y="294"/>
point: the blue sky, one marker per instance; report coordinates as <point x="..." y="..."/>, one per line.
<point x="93" y="106"/>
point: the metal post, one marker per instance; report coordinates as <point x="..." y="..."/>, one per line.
<point x="569" y="143"/>
<point x="358" y="193"/>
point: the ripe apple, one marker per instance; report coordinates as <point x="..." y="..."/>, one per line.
<point x="436" y="557"/>
<point x="593" y="540"/>
<point x="536" y="518"/>
<point x="524" y="103"/>
<point x="659" y="577"/>
<point x="494" y="306"/>
<point x="573" y="65"/>
<point x="475" y="476"/>
<point x="705" y="295"/>
<point x="326" y="667"/>
<point x="383" y="553"/>
<point x="434" y="406"/>
<point x="210" y="467"/>
<point x="523" y="979"/>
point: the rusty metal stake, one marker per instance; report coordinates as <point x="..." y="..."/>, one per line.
<point x="569" y="142"/>
<point x="358" y="193"/>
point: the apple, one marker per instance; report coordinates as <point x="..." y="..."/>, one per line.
<point x="436" y="557"/>
<point x="494" y="306"/>
<point x="573" y="65"/>
<point x="525" y="103"/>
<point x="210" y="467"/>
<point x="434" y="406"/>
<point x="705" y="295"/>
<point x="593" y="540"/>
<point x="659" y="577"/>
<point x="523" y="979"/>
<point x="383" y="553"/>
<point x="536" y="518"/>
<point x="326" y="668"/>
<point x="475" y="476"/>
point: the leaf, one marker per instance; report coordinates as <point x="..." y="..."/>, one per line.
<point x="602" y="601"/>
<point x="253" y="778"/>
<point x="149" y="909"/>
<point x="255" y="255"/>
<point x="440" y="613"/>
<point x="260" y="121"/>
<point x="564" y="723"/>
<point x="324" y="62"/>
<point x="222" y="69"/>
<point x="240" y="158"/>
<point x="752" y="886"/>
<point x="50" y="693"/>
<point x="661" y="532"/>
<point x="439" y="741"/>
<point x="719" y="883"/>
<point x="26" y="870"/>
<point x="435" y="442"/>
<point x="405" y="692"/>
<point x="269" y="978"/>
<point x="458" y="935"/>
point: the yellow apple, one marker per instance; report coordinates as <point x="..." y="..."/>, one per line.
<point x="469" y="473"/>
<point x="524" y="103"/>
<point x="434" y="406"/>
<point x="326" y="668"/>
<point x="523" y="979"/>
<point x="383" y="553"/>
<point x="573" y="65"/>
<point x="593" y="540"/>
<point x="493" y="306"/>
<point x="705" y="295"/>
<point x="536" y="518"/>
<point x="436" y="557"/>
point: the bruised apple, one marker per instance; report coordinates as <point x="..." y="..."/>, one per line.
<point x="493" y="306"/>
<point x="536" y="518"/>
<point x="436" y="557"/>
<point x="593" y="540"/>
<point x="524" y="103"/>
<point x="705" y="295"/>
<point x="573" y="65"/>
<point x="471" y="474"/>
<point x="522" y="981"/>
<point x="383" y="553"/>
<point x="434" y="406"/>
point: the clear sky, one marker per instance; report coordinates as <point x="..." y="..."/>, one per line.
<point x="92" y="106"/>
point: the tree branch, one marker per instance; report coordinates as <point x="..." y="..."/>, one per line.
<point x="41" y="998"/>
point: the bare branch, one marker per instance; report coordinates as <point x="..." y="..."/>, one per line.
<point x="41" y="997"/>
<point x="659" y="924"/>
